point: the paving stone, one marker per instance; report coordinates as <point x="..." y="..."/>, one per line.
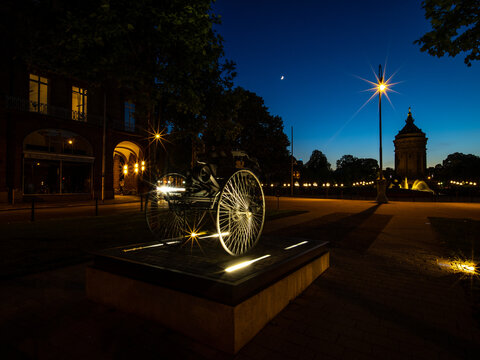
<point x="322" y="333"/>
<point x="388" y="301"/>
<point x="329" y="348"/>
<point x="386" y="352"/>
<point x="255" y="351"/>
<point x="355" y="343"/>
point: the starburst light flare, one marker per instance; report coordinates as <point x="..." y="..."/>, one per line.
<point x="157" y="135"/>
<point x="381" y="86"/>
<point x="193" y="232"/>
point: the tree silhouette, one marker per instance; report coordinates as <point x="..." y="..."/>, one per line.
<point x="317" y="168"/>
<point x="351" y="169"/>
<point x="262" y="136"/>
<point x="455" y="28"/>
<point x="458" y="166"/>
<point x="153" y="50"/>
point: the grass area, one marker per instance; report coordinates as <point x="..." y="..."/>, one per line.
<point x="462" y="240"/>
<point x="28" y="247"/>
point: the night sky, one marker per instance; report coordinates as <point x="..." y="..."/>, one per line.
<point x="322" y="47"/>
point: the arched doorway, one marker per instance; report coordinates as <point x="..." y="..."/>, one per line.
<point x="57" y="162"/>
<point x="128" y="167"/>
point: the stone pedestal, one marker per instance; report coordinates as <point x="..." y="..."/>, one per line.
<point x="190" y="291"/>
<point x="382" y="191"/>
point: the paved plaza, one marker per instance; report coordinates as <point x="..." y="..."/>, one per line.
<point x="383" y="297"/>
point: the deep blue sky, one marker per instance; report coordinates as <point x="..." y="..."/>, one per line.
<point x="321" y="46"/>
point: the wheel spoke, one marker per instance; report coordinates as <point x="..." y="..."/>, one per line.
<point x="163" y="221"/>
<point x="240" y="212"/>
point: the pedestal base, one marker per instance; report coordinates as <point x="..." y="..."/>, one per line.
<point x="197" y="297"/>
<point x="381" y="191"/>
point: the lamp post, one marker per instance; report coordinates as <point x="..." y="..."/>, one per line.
<point x="381" y="181"/>
<point x="291" y="169"/>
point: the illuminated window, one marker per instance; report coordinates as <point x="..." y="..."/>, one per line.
<point x="38" y="94"/>
<point x="79" y="104"/>
<point x="129" y="116"/>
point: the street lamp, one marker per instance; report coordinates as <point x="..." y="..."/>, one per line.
<point x="382" y="86"/>
<point x="381" y="181"/>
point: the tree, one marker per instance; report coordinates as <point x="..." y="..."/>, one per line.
<point x="164" y="55"/>
<point x="435" y="172"/>
<point x="389" y="173"/>
<point x="461" y="167"/>
<point x="246" y="124"/>
<point x="237" y="119"/>
<point x="318" y="160"/>
<point x="221" y="126"/>
<point x="318" y="167"/>
<point x="456" y="28"/>
<point x="351" y="169"/>
<point x="154" y="49"/>
<point x="369" y="168"/>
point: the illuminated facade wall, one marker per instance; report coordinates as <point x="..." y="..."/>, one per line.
<point x="410" y="151"/>
<point x="34" y="102"/>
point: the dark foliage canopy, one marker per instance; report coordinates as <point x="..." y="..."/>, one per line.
<point x="166" y="54"/>
<point x="317" y="168"/>
<point x="460" y="166"/>
<point x="236" y="119"/>
<point x="155" y="49"/>
<point x="457" y="167"/>
<point x="351" y="169"/>
<point x="261" y="135"/>
<point x="318" y="160"/>
<point x="455" y="29"/>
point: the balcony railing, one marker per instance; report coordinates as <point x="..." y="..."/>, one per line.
<point x="38" y="107"/>
<point x="19" y="104"/>
<point x="79" y="116"/>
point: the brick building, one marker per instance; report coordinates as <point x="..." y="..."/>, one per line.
<point x="52" y="138"/>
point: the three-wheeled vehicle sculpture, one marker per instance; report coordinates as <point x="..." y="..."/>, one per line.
<point x="180" y="206"/>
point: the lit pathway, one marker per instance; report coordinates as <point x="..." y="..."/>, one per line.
<point x="382" y="298"/>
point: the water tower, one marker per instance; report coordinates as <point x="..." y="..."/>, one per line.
<point x="410" y="151"/>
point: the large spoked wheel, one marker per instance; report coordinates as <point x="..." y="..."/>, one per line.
<point x="240" y="212"/>
<point x="165" y="217"/>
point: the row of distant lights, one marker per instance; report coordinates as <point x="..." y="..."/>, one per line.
<point x="461" y="183"/>
<point x="366" y="183"/>
<point x="297" y="184"/>
<point x="363" y="183"/>
<point x="135" y="168"/>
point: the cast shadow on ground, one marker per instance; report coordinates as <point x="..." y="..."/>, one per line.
<point x="352" y="231"/>
<point x="450" y="342"/>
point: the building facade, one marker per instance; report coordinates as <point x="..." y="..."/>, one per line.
<point x="53" y="144"/>
<point x="410" y="151"/>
